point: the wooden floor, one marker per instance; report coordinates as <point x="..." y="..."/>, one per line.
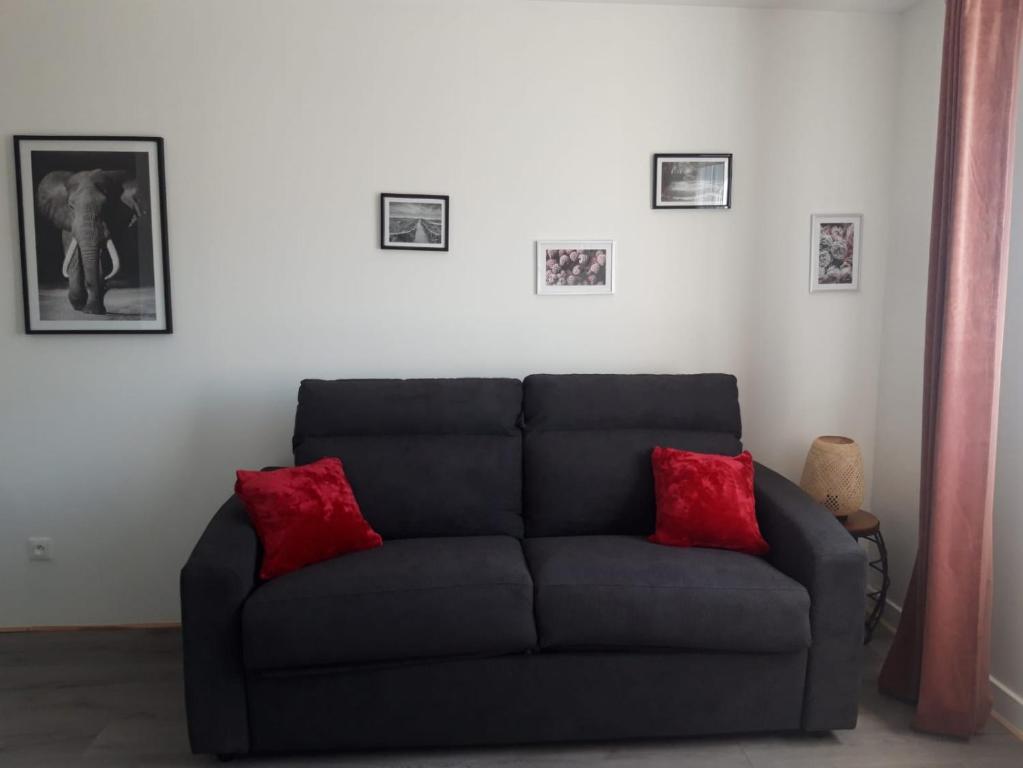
<point x="114" y="698"/>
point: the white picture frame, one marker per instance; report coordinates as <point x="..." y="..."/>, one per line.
<point x="71" y="187"/>
<point x="836" y="241"/>
<point x="575" y="267"/>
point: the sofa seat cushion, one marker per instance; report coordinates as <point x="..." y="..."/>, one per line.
<point x="409" y="599"/>
<point x="624" y="592"/>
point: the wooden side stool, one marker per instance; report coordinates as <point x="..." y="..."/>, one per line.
<point x="863" y="525"/>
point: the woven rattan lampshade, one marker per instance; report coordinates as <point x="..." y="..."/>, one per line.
<point x="833" y="474"/>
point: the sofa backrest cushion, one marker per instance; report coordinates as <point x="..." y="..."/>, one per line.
<point x="588" y="440"/>
<point x="425" y="457"/>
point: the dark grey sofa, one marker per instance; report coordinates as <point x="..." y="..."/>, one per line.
<point x="515" y="598"/>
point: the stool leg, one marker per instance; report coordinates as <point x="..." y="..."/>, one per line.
<point x="879" y="596"/>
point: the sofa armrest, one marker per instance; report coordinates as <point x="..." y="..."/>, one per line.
<point x="216" y="580"/>
<point x="809" y="545"/>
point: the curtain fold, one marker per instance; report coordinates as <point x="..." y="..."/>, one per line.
<point x="941" y="654"/>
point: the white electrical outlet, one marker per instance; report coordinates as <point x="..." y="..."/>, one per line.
<point x="40" y="548"/>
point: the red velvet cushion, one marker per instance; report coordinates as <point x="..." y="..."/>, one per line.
<point x="705" y="500"/>
<point x="304" y="515"/>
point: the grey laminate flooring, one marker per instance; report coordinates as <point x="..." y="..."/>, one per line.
<point x="114" y="698"/>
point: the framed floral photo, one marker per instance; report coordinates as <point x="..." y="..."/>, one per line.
<point x="575" y="267"/>
<point x="414" y="222"/>
<point x="835" y="252"/>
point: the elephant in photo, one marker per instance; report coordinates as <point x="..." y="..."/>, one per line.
<point x="88" y="207"/>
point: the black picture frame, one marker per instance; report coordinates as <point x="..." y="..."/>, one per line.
<point x="421" y="233"/>
<point x="657" y="200"/>
<point x="139" y="207"/>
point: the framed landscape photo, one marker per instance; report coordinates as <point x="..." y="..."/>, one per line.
<point x="92" y="215"/>
<point x="835" y="252"/>
<point x="575" y="267"/>
<point x="692" y="181"/>
<point x="414" y="222"/>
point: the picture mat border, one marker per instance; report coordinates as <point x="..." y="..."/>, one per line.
<point x="660" y="157"/>
<point x="542" y="289"/>
<point x="163" y="323"/>
<point x="816" y="219"/>
<point x="386" y="197"/>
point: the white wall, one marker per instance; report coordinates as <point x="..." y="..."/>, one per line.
<point x="896" y="495"/>
<point x="1007" y="613"/>
<point x="283" y="121"/>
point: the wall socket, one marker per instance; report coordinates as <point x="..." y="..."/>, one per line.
<point x="40" y="548"/>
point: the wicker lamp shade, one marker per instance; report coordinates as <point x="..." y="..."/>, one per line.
<point x="833" y="474"/>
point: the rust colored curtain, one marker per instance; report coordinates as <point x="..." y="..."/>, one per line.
<point x="941" y="655"/>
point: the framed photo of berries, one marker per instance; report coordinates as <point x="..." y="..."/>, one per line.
<point x="575" y="267"/>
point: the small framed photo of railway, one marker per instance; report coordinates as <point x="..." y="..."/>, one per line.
<point x="414" y="222"/>
<point x="93" y="220"/>
<point x="575" y="267"/>
<point x="692" y="181"/>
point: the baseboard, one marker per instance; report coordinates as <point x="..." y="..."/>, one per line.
<point x="1008" y="705"/>
<point x="888" y="624"/>
<point x="93" y="627"/>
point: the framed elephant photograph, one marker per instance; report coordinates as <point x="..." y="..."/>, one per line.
<point x="93" y="218"/>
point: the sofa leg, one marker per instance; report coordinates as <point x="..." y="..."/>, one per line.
<point x="225" y="757"/>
